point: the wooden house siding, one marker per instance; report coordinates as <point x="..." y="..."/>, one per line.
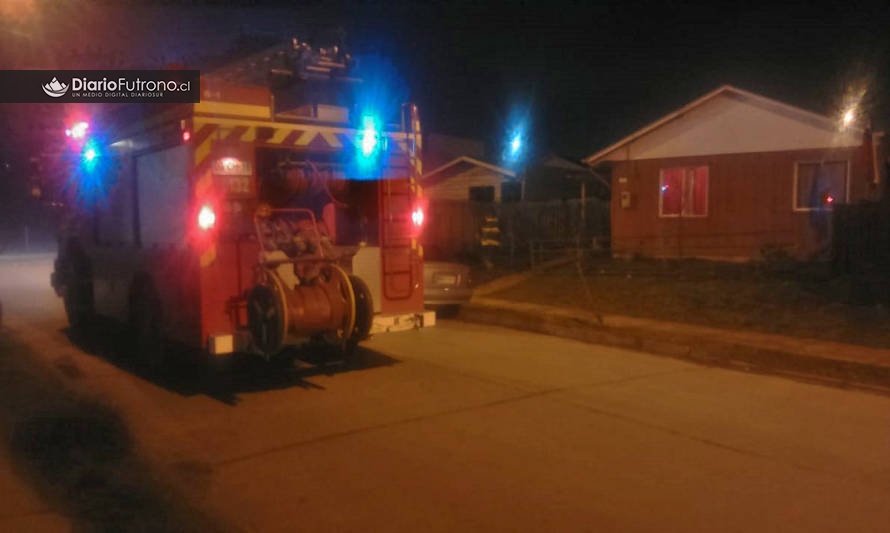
<point x="750" y="206"/>
<point x="458" y="187"/>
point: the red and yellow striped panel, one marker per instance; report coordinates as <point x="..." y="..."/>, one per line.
<point x="275" y="133"/>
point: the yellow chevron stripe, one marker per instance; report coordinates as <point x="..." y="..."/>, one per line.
<point x="202" y="151"/>
<point x="331" y="139"/>
<point x="306" y="138"/>
<point x="279" y="135"/>
<point x="249" y="136"/>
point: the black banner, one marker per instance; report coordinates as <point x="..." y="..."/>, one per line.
<point x="100" y="86"/>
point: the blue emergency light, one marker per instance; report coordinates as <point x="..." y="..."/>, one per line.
<point x="371" y="143"/>
<point x="90" y="154"/>
<point x="92" y="171"/>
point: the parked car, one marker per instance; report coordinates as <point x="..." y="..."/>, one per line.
<point x="446" y="285"/>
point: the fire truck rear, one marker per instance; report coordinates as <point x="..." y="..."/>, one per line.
<point x="266" y="215"/>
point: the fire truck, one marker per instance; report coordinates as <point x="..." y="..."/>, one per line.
<point x="271" y="213"/>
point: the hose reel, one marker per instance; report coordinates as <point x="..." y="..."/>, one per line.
<point x="300" y="291"/>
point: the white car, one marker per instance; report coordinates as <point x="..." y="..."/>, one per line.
<point x="446" y="285"/>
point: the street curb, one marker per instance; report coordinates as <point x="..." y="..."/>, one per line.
<point x="709" y="346"/>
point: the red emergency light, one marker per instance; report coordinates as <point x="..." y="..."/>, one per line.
<point x="417" y="216"/>
<point x="206" y="217"/>
<point x="78" y="130"/>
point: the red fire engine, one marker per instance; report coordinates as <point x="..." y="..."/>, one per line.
<point x="246" y="224"/>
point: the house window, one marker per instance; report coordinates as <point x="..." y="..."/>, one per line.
<point x="683" y="192"/>
<point x="819" y="184"/>
<point x="482" y="194"/>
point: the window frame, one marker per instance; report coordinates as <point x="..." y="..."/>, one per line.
<point x="487" y="188"/>
<point x="682" y="213"/>
<point x="796" y="184"/>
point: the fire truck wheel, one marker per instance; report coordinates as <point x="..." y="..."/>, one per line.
<point x="265" y="319"/>
<point x="364" y="313"/>
<point x="78" y="294"/>
<point x="147" y="330"/>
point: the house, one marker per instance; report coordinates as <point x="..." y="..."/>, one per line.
<point x="732" y="175"/>
<point x="468" y="179"/>
<point x="455" y="170"/>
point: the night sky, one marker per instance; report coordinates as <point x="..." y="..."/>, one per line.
<point x="582" y="75"/>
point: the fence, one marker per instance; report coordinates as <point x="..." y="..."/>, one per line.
<point x="453" y="227"/>
<point x="862" y="239"/>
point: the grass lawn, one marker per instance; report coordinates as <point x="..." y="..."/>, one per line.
<point x="795" y="300"/>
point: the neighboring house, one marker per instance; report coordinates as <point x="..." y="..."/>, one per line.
<point x="468" y="179"/>
<point x="455" y="170"/>
<point x="731" y="175"/>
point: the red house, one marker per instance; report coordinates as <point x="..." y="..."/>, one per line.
<point x="733" y="174"/>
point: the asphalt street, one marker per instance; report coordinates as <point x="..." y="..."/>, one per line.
<point x="462" y="427"/>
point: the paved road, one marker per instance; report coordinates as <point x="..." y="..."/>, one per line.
<point x="469" y="428"/>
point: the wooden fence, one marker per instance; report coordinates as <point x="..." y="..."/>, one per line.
<point x="862" y="239"/>
<point x="453" y="227"/>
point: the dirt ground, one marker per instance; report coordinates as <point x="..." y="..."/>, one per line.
<point x="790" y="299"/>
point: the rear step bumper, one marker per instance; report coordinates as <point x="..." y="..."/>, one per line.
<point x="402" y="322"/>
<point x="239" y="341"/>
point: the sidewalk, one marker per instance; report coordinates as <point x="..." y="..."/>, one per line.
<point x="836" y="363"/>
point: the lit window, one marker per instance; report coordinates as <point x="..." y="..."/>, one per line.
<point x="683" y="191"/>
<point x="819" y="185"/>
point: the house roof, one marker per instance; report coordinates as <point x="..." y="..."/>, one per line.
<point x="460" y="164"/>
<point x="556" y="166"/>
<point x="803" y="115"/>
<point x="556" y="161"/>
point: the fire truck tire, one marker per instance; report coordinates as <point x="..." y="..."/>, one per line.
<point x="265" y="319"/>
<point x="146" y="326"/>
<point x="364" y="314"/>
<point x="78" y="293"/>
